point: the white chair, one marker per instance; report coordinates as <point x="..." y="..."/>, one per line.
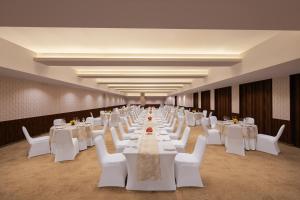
<point x="90" y="120"/>
<point x="125" y="136"/>
<point x="113" y="166"/>
<point x="249" y="120"/>
<point x="66" y="147"/>
<point x="210" y="114"/>
<point x="204" y="112"/>
<point x="119" y="144"/>
<point x="269" y="144"/>
<point x="176" y="135"/>
<point x="91" y="114"/>
<point x="130" y="129"/>
<point x="181" y="144"/>
<point x="213" y="121"/>
<point x="171" y="129"/>
<point x="38" y="146"/>
<point x="114" y="119"/>
<point x="213" y="134"/>
<point x="97" y="132"/>
<point x="234" y="140"/>
<point x="190" y="119"/>
<point x="187" y="165"/>
<point x="59" y="122"/>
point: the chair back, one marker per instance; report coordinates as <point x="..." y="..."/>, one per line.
<point x="185" y="136"/>
<point x="173" y="124"/>
<point x="190" y="119"/>
<point x="204" y="113"/>
<point x="279" y="133"/>
<point x="114" y="119"/>
<point x="101" y="149"/>
<point x="210" y="114"/>
<point x="126" y="123"/>
<point x="122" y="131"/>
<point x="26" y="134"/>
<point x="115" y="136"/>
<point x="249" y="120"/>
<point x="91" y="114"/>
<point x="105" y="126"/>
<point x="58" y="122"/>
<point x="199" y="148"/>
<point x="179" y="127"/>
<point x="213" y="121"/>
<point x="205" y="123"/>
<point x="89" y="120"/>
<point x="234" y="132"/>
<point x="63" y="140"/>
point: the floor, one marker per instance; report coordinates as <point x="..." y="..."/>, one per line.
<point x="256" y="176"/>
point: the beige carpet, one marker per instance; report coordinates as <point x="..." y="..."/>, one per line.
<point x="256" y="176"/>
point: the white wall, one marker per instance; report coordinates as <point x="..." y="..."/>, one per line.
<point x="148" y="100"/>
<point x="23" y="98"/>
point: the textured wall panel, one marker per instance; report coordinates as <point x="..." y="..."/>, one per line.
<point x="281" y="98"/>
<point x="23" y="99"/>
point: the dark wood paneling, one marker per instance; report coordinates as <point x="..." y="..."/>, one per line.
<point x="195" y="99"/>
<point x="223" y="102"/>
<point x="295" y="109"/>
<point x="256" y="102"/>
<point x="205" y="100"/>
<point x="286" y="136"/>
<point x="11" y="131"/>
<point x="175" y="100"/>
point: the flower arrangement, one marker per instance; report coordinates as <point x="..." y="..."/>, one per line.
<point x="149" y="130"/>
<point x="235" y="120"/>
<point x="149" y="118"/>
<point x="72" y="122"/>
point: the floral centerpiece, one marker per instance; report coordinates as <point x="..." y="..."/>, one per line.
<point x="149" y="131"/>
<point x="149" y="118"/>
<point x="235" y="120"/>
<point x="72" y="122"/>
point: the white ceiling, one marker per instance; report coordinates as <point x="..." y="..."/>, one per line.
<point x="135" y="41"/>
<point x="80" y="47"/>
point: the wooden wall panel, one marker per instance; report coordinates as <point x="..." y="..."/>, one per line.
<point x="11" y="131"/>
<point x="205" y="100"/>
<point x="256" y="102"/>
<point x="223" y="102"/>
<point x="295" y="108"/>
<point x="195" y="100"/>
<point x="175" y="99"/>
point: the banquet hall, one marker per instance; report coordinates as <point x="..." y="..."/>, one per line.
<point x="136" y="99"/>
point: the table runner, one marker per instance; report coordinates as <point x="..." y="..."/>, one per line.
<point x="249" y="131"/>
<point x="148" y="159"/>
<point x="80" y="132"/>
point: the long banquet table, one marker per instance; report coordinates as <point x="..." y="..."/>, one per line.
<point x="150" y="159"/>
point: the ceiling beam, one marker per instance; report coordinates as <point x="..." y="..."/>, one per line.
<point x="178" y="73"/>
<point x="135" y="81"/>
<point x="118" y="86"/>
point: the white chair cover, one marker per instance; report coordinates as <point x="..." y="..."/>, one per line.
<point x="113" y="166"/>
<point x="234" y="140"/>
<point x="187" y="165"/>
<point x="38" y="146"/>
<point x="66" y="147"/>
<point x="269" y="144"/>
